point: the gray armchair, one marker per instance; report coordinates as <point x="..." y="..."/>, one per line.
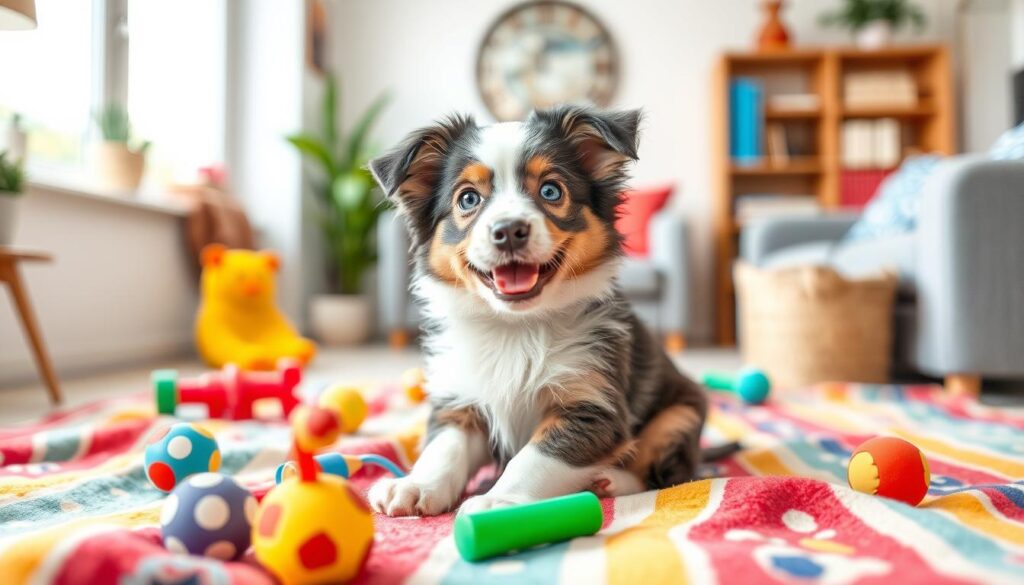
<point x="658" y="286"/>
<point x="960" y="307"/>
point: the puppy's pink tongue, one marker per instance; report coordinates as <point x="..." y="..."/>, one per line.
<point x="514" y="279"/>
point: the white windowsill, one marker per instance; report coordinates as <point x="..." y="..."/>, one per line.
<point x="146" y="201"/>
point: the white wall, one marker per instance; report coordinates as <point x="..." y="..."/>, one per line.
<point x="265" y="103"/>
<point x="986" y="62"/>
<point x="120" y="290"/>
<point x="425" y="52"/>
<point x="1017" y="26"/>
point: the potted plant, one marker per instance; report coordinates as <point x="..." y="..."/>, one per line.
<point x="17" y="140"/>
<point x="119" y="165"/>
<point x="12" y="186"/>
<point x="873" y="21"/>
<point x="349" y="206"/>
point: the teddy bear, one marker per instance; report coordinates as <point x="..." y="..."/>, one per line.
<point x="238" y="321"/>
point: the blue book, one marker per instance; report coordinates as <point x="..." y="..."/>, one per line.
<point x="746" y="104"/>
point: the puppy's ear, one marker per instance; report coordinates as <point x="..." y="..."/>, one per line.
<point x="410" y="173"/>
<point x="605" y="141"/>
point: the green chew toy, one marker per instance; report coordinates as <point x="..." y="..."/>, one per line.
<point x="482" y="535"/>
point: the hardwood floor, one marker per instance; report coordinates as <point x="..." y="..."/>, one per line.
<point x="371" y="363"/>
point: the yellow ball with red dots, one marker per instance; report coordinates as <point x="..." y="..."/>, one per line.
<point x="890" y="467"/>
<point x="313" y="532"/>
<point x="347" y="402"/>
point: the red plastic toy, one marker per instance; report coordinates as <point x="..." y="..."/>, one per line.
<point x="229" y="393"/>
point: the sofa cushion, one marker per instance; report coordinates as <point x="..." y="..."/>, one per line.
<point x="1009" y="146"/>
<point x="635" y="216"/>
<point x="799" y="255"/>
<point x="867" y="257"/>
<point x="895" y="206"/>
<point x="854" y="259"/>
<point x="638" y="278"/>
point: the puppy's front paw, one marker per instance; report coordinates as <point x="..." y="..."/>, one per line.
<point x="488" y="501"/>
<point x="403" y="496"/>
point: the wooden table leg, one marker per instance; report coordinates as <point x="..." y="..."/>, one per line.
<point x="9" y="273"/>
<point x="963" y="384"/>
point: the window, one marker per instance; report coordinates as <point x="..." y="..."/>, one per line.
<point x="48" y="80"/>
<point x="176" y="54"/>
<point x="163" y="59"/>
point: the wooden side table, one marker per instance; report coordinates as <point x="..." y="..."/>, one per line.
<point x="9" y="274"/>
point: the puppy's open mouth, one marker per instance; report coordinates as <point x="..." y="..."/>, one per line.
<point x="519" y="281"/>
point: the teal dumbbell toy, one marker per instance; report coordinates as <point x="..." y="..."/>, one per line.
<point x="750" y="384"/>
<point x="481" y="535"/>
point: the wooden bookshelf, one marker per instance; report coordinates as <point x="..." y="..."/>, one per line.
<point x="927" y="126"/>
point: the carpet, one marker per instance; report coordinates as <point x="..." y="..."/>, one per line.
<point x="76" y="508"/>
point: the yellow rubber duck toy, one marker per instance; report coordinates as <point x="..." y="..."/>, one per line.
<point x="238" y="321"/>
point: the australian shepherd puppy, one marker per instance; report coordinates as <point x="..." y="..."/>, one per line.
<point x="535" y="361"/>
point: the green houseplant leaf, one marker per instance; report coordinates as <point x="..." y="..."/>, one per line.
<point x="12" y="176"/>
<point x="314" y="149"/>
<point x="350" y="203"/>
<point x="856" y="14"/>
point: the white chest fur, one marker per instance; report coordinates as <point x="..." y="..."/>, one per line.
<point x="509" y="368"/>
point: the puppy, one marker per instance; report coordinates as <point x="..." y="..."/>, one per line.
<point x="535" y="361"/>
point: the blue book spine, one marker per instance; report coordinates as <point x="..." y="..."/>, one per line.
<point x="746" y="117"/>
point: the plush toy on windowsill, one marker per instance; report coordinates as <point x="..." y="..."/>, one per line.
<point x="238" y="321"/>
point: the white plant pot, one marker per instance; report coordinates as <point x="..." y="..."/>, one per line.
<point x="341" y="319"/>
<point x="17" y="143"/>
<point x="118" y="169"/>
<point x="874" y="35"/>
<point x="8" y="218"/>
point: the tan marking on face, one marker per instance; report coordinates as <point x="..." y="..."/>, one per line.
<point x="467" y="419"/>
<point x="540" y="170"/>
<point x="448" y="262"/>
<point x="584" y="250"/>
<point x="537" y="166"/>
<point x="478" y="177"/>
<point x="477" y="174"/>
<point x="660" y="434"/>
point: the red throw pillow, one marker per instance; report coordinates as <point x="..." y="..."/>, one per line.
<point x="635" y="215"/>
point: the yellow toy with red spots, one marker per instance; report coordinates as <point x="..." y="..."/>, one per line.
<point x="238" y="321"/>
<point x="313" y="528"/>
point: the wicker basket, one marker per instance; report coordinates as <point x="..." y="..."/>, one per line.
<point x="809" y="324"/>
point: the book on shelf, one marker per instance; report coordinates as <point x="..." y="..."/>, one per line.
<point x="882" y="88"/>
<point x="746" y="120"/>
<point x="871" y="144"/>
<point x="754" y="207"/>
<point x="777" y="144"/>
<point x="794" y="102"/>
<point x="858" y="186"/>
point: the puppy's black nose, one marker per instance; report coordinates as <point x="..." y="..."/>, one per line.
<point x="510" y="235"/>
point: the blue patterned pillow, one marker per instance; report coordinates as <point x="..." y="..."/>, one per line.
<point x="894" y="209"/>
<point x="1010" y="145"/>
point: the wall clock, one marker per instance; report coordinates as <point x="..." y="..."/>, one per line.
<point x="544" y="53"/>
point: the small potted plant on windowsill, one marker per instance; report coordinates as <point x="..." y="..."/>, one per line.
<point x="119" y="165"/>
<point x="874" y="21"/>
<point x="12" y="187"/>
<point x="349" y="207"/>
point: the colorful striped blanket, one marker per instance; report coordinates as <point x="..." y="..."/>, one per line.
<point x="75" y="506"/>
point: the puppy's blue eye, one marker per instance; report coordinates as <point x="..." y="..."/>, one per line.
<point x="550" y="192"/>
<point x="469" y="200"/>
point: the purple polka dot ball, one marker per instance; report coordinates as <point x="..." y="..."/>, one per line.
<point x="208" y="514"/>
<point x="179" y="451"/>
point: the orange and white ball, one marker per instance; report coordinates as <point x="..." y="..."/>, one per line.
<point x="413" y="381"/>
<point x="889" y="467"/>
